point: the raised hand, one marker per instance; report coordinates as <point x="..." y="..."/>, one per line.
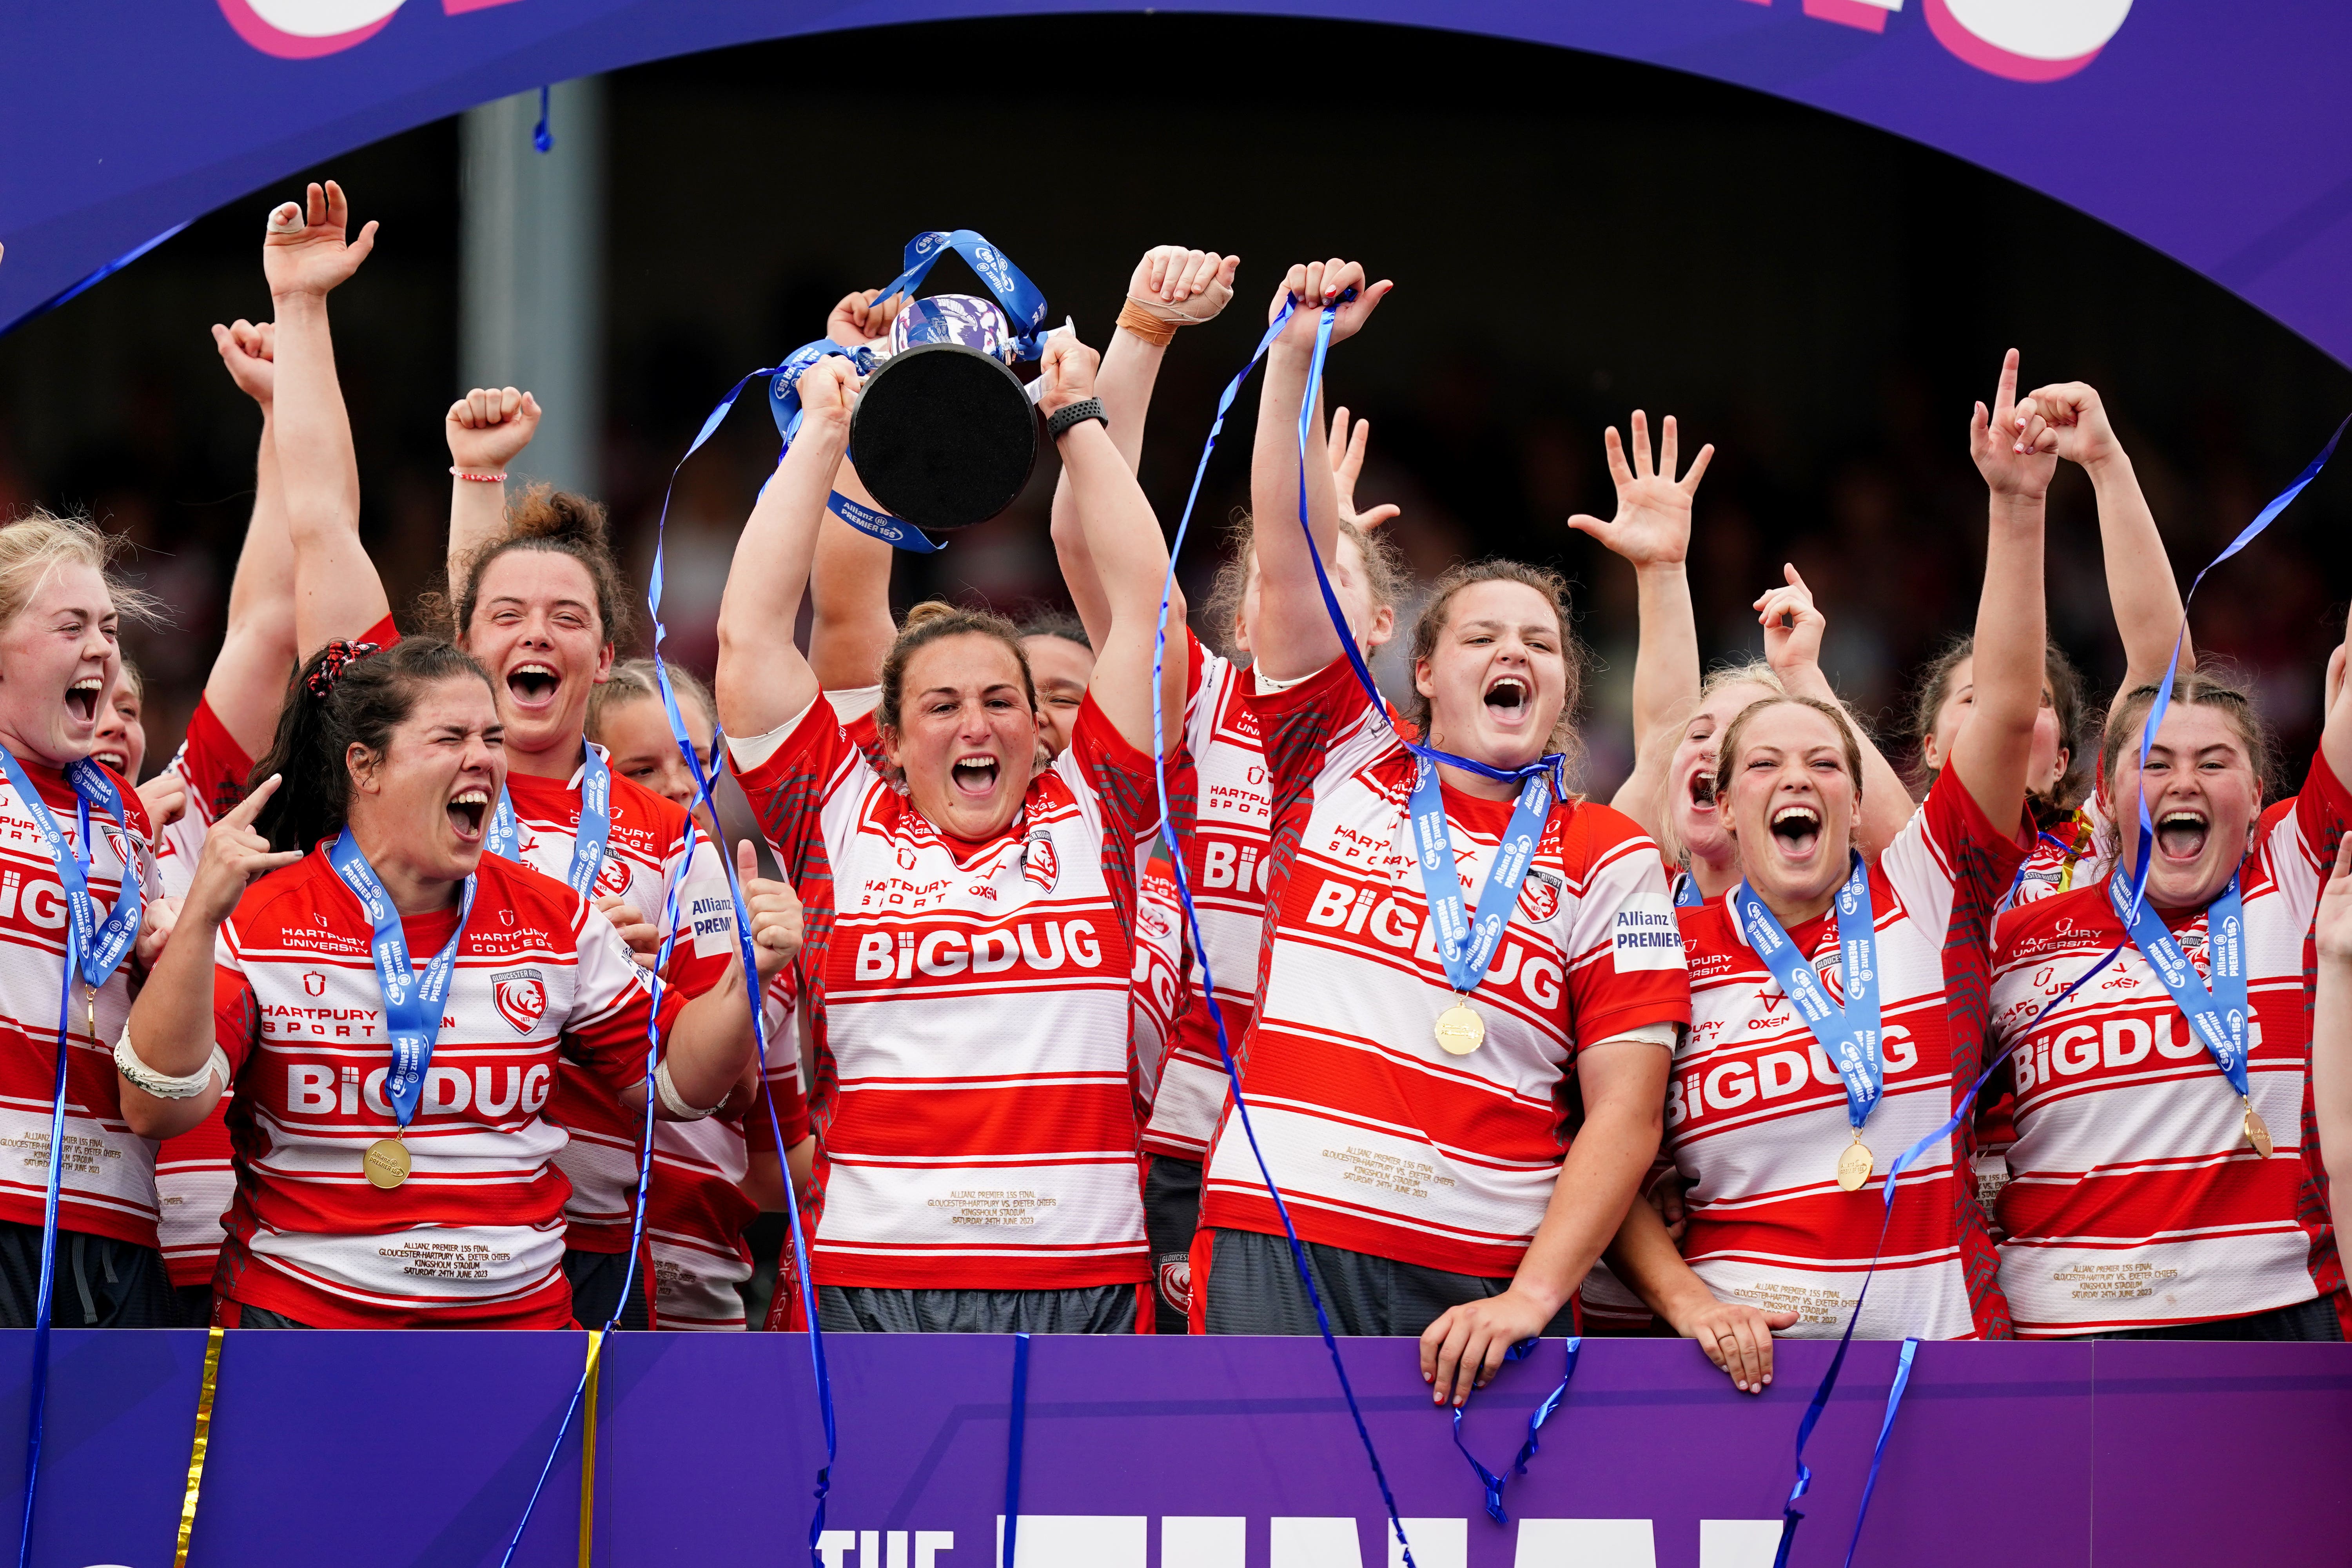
<point x="305" y="252"/>
<point x="1067" y="368"/>
<point x="775" y="911"/>
<point x="828" y="388"/>
<point x="1346" y="455"/>
<point x="858" y="321"/>
<point x="1180" y="286"/>
<point x="2073" y="413"/>
<point x="1653" y="524"/>
<point x="2011" y="465"/>
<point x="644" y="941"/>
<point x="235" y="856"/>
<point x="250" y="352"/>
<point x="1315" y="284"/>
<point x="488" y="427"/>
<point x="1792" y="627"/>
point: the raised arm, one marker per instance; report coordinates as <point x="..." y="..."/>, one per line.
<point x="1995" y="747"/>
<point x="1651" y="533"/>
<point x="764" y="680"/>
<point x="1792" y="646"/>
<point x="850" y="624"/>
<point x="248" y="683"/>
<point x="2335" y="736"/>
<point x="2141" y="588"/>
<point x="1172" y="287"/>
<point x="337" y="593"/>
<point x="487" y="429"/>
<point x="1123" y="536"/>
<point x="2331" y="1028"/>
<point x="1294" y="635"/>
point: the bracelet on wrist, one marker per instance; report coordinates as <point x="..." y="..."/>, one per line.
<point x="1065" y="419"/>
<point x="1151" y="328"/>
<point x="497" y="478"/>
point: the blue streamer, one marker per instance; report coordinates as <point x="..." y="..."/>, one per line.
<point x="1193" y="918"/>
<point x="1885" y="1430"/>
<point x="705" y="788"/>
<point x="645" y="1181"/>
<point x="1790" y="1514"/>
<point x="1014" y="1435"/>
<point x="1493" y="1482"/>
<point x="92" y="279"/>
<point x="40" y="1390"/>
<point x="540" y="137"/>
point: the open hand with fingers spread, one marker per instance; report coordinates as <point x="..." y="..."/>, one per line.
<point x="250" y="352"/>
<point x="1346" y="455"/>
<point x="235" y="857"/>
<point x="488" y="427"/>
<point x="2011" y="465"/>
<point x="1653" y="524"/>
<point x="306" y="251"/>
<point x="775" y="911"/>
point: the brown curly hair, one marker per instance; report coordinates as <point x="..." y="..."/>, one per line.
<point x="559" y="523"/>
<point x="935" y="620"/>
<point x="1543" y="580"/>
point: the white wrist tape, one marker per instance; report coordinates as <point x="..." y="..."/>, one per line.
<point x="164" y="1085"/>
<point x="670" y="1100"/>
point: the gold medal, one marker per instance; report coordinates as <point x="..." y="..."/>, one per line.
<point x="2258" y="1131"/>
<point x="1853" y="1165"/>
<point x="1460" y="1030"/>
<point x="386" y="1162"/>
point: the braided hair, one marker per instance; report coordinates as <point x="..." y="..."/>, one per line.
<point x="346" y="694"/>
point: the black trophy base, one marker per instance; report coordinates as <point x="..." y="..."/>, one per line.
<point x="943" y="436"/>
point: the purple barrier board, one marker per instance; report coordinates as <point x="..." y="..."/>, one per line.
<point x="389" y="1449"/>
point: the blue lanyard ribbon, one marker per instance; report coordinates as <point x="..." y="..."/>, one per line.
<point x="1024" y="306"/>
<point x="2218" y="1013"/>
<point x="1466" y="947"/>
<point x="588" y="841"/>
<point x="411" y="1003"/>
<point x="1493" y="1482"/>
<point x="94" y="951"/>
<point x="1848" y="1034"/>
<point x="1687" y="893"/>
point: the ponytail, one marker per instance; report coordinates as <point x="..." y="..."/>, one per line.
<point x="346" y="694"/>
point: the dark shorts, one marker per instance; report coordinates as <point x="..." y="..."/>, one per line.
<point x="873" y="1310"/>
<point x="263" y="1318"/>
<point x="2306" y="1322"/>
<point x="99" y="1282"/>
<point x="195" y="1305"/>
<point x="1171" y="1213"/>
<point x="596" y="1278"/>
<point x="1253" y="1289"/>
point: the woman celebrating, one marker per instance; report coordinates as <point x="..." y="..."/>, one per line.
<point x="1408" y="1095"/>
<point x="970" y="957"/>
<point x="82" y="864"/>
<point x="394" y="1170"/>
<point x="1836" y="1005"/>
<point x="2155" y="1188"/>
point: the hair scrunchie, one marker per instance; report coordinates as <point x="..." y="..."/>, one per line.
<point x="334" y="657"/>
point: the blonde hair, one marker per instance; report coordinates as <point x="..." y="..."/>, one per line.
<point x="33" y="546"/>
<point x="634" y="681"/>
<point x="1727" y="758"/>
<point x="1384" y="574"/>
<point x="1750" y="672"/>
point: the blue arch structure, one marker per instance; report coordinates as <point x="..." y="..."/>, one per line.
<point x="2220" y="136"/>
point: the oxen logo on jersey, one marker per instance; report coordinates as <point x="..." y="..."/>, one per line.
<point x="1539" y="894"/>
<point x="314" y="984"/>
<point x="1038" y="861"/>
<point x="521" y="999"/>
<point x="613" y="875"/>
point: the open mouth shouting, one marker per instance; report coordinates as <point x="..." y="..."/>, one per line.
<point x="2180" y="834"/>
<point x="1510" y="702"/>
<point x="974" y="777"/>
<point x="1797" y="829"/>
<point x="1702" y="787"/>
<point x="533" y="684"/>
<point x="470" y="809"/>
<point x="82" y="699"/>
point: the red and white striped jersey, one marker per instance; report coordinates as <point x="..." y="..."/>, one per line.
<point x="474" y="1238"/>
<point x="1381" y="1142"/>
<point x="1159" y="977"/>
<point x="2134" y="1199"/>
<point x="107" y="1187"/>
<point x="645" y="849"/>
<point x="1756" y="1115"/>
<point x="975" y="1084"/>
<point x="1227" y="861"/>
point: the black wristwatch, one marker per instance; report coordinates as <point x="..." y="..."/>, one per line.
<point x="1062" y="420"/>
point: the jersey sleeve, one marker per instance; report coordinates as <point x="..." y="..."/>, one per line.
<point x="236" y="1015"/>
<point x="1120" y="777"/>
<point x="1324" y="726"/>
<point x="815" y="764"/>
<point x="2301" y="844"/>
<point x="1626" y="964"/>
<point x="211" y="764"/>
<point x="611" y="1004"/>
<point x="1949" y="858"/>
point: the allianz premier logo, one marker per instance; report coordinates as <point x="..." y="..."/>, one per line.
<point x="2023" y="40"/>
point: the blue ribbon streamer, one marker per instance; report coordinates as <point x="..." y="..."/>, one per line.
<point x="1885" y="1429"/>
<point x="705" y="788"/>
<point x="1790" y="1514"/>
<point x="1024" y="306"/>
<point x="1015" y="1433"/>
<point x="1193" y="918"/>
<point x="92" y="280"/>
<point x="1493" y="1482"/>
<point x="540" y="137"/>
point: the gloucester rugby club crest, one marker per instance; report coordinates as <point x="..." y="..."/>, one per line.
<point x="1539" y="894"/>
<point x="613" y="875"/>
<point x="521" y="998"/>
<point x="1038" y="862"/>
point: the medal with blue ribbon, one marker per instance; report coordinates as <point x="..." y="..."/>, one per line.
<point x="2219" y="1013"/>
<point x="588" y="840"/>
<point x="411" y="1003"/>
<point x="1848" y="1034"/>
<point x="1466" y="947"/>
